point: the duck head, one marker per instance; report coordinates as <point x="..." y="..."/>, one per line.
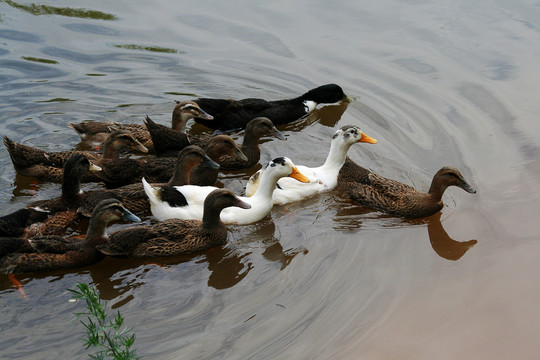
<point x="448" y="176"/>
<point x="350" y="134"/>
<point x="224" y="145"/>
<point x="326" y="94"/>
<point x="263" y="126"/>
<point x="193" y="155"/>
<point x="185" y="110"/>
<point x="282" y="167"/>
<point x="106" y="211"/>
<point x="223" y="198"/>
<point x="120" y="140"/>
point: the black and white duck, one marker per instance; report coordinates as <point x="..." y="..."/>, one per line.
<point x="235" y="114"/>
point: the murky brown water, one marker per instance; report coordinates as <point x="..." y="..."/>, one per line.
<point x="436" y="83"/>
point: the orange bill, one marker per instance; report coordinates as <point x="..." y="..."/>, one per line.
<point x="367" y="139"/>
<point x="298" y="175"/>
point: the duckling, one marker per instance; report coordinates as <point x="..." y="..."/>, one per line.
<point x="322" y="178"/>
<point x="186" y="202"/>
<point x="368" y="189"/>
<point x="47" y="166"/>
<point x="235" y="114"/>
<point x="174" y="236"/>
<point x="53" y="216"/>
<point x="50" y="253"/>
<point x="133" y="196"/>
<point x="95" y="131"/>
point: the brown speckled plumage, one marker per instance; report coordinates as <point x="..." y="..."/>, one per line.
<point x="49" y="253"/>
<point x="53" y="216"/>
<point x="368" y="189"/>
<point x="95" y="131"/>
<point x="47" y="166"/>
<point x="174" y="237"/>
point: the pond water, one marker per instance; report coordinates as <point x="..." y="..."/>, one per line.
<point x="436" y="83"/>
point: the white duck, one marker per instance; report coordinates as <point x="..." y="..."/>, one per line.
<point x="186" y="202"/>
<point x="321" y="178"/>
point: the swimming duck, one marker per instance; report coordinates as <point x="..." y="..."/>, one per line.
<point x="368" y="189"/>
<point x="95" y="131"/>
<point x="185" y="202"/>
<point x="322" y="178"/>
<point x="255" y="130"/>
<point x="53" y="216"/>
<point x="169" y="142"/>
<point x="133" y="196"/>
<point x="235" y="114"/>
<point x="47" y="166"/>
<point x="217" y="148"/>
<point x="42" y="254"/>
<point x="174" y="236"/>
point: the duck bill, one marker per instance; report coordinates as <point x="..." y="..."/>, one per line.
<point x="140" y="147"/>
<point x="278" y="134"/>
<point x="468" y="188"/>
<point x="242" y="204"/>
<point x="129" y="216"/>
<point x="210" y="163"/>
<point x="240" y="155"/>
<point x="297" y="175"/>
<point x="94" y="167"/>
<point x="347" y="99"/>
<point x="205" y="116"/>
<point x="367" y="139"/>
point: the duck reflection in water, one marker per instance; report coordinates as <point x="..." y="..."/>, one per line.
<point x="351" y="218"/>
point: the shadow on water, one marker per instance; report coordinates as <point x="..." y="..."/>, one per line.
<point x="349" y="218"/>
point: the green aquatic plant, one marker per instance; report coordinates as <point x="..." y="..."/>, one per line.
<point x="149" y="48"/>
<point x="35" y="9"/>
<point x="110" y="337"/>
<point x="40" y="60"/>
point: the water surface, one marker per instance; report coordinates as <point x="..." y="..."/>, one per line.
<point x="437" y="84"/>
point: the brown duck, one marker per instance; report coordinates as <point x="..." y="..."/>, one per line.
<point x="53" y="216"/>
<point x="133" y="196"/>
<point x="174" y="237"/>
<point x="42" y="254"/>
<point x="95" y="131"/>
<point x="368" y="189"/>
<point x="47" y="166"/>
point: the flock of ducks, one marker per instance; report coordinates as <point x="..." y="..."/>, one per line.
<point x="177" y="185"/>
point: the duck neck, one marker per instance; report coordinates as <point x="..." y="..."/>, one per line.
<point x="336" y="157"/>
<point x="71" y="186"/>
<point x="436" y="190"/>
<point x="250" y="145"/>
<point x="180" y="174"/>
<point x="179" y="120"/>
<point x="267" y="185"/>
<point x="211" y="217"/>
<point x="96" y="234"/>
